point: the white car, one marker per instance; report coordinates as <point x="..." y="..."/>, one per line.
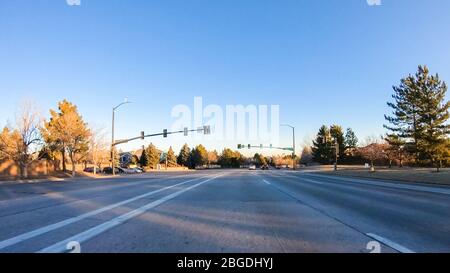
<point x="252" y="168"/>
<point x="127" y="171"/>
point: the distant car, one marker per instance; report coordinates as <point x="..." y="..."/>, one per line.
<point x="264" y="167"/>
<point x="108" y="170"/>
<point x="91" y="170"/>
<point x="278" y="167"/>
<point x="141" y="169"/>
<point x="126" y="170"/>
<point x="252" y="168"/>
<point x="137" y="170"/>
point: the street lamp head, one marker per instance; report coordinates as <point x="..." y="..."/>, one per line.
<point x="126" y="101"/>
<point x="287" y="125"/>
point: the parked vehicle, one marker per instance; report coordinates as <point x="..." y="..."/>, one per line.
<point x="264" y="167"/>
<point x="108" y="170"/>
<point x="138" y="170"/>
<point x="91" y="170"/>
<point x="252" y="167"/>
<point x="141" y="169"/>
<point x="126" y="170"/>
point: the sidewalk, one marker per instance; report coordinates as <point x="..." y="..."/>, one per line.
<point x="79" y="177"/>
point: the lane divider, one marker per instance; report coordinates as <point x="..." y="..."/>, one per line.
<point x="45" y="229"/>
<point x="385" y="241"/>
<point x="390" y="243"/>
<point x="92" y="232"/>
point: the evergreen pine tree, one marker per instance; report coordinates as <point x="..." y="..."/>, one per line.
<point x="199" y="156"/>
<point x="153" y="155"/>
<point x="432" y="116"/>
<point x="171" y="158"/>
<point x="322" y="146"/>
<point x="420" y="116"/>
<point x="184" y="156"/>
<point x="143" y="160"/>
<point x="351" y="141"/>
<point x="337" y="134"/>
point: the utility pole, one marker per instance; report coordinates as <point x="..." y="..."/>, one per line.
<point x="113" y="165"/>
<point x="336" y="154"/>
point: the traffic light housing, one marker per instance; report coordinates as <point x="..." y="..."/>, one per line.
<point x="142" y="135"/>
<point x="165" y="133"/>
<point x="207" y="130"/>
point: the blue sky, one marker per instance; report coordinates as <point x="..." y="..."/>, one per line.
<point x="322" y="61"/>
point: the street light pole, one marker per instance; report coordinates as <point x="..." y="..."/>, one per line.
<point x="113" y="165"/>
<point x="293" y="144"/>
<point x="336" y="154"/>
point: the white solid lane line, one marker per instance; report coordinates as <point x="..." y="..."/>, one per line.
<point x="309" y="180"/>
<point x="299" y="178"/>
<point x="42" y="230"/>
<point x="90" y="233"/>
<point x="267" y="182"/>
<point x="390" y="243"/>
<point x="393" y="184"/>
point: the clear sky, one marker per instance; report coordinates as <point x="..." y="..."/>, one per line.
<point x="322" y="61"/>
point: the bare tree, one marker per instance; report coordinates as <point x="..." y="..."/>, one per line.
<point x="20" y="142"/>
<point x="98" y="147"/>
<point x="374" y="150"/>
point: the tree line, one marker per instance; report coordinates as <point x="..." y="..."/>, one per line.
<point x="418" y="129"/>
<point x="193" y="158"/>
<point x="64" y="135"/>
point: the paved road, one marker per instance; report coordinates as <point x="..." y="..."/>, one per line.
<point x="225" y="211"/>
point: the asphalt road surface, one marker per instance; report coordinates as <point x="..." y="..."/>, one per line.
<point x="225" y="211"/>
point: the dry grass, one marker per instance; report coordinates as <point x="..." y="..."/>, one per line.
<point x="424" y="175"/>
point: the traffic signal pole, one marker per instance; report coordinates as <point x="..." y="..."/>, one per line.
<point x="205" y="129"/>
<point x="112" y="134"/>
<point x="293" y="144"/>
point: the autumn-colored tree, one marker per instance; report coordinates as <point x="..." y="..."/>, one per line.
<point x="199" y="156"/>
<point x="171" y="158"/>
<point x="213" y="157"/>
<point x="20" y="142"/>
<point x="230" y="159"/>
<point x="259" y="159"/>
<point x="68" y="133"/>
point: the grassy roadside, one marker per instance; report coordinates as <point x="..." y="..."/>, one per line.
<point x="407" y="174"/>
